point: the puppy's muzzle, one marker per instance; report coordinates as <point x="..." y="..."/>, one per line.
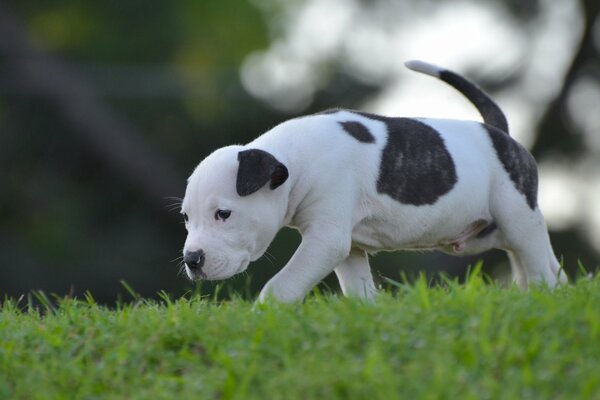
<point x="194" y="260"/>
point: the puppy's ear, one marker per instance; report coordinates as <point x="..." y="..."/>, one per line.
<point x="257" y="167"/>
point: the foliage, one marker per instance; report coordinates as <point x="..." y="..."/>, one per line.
<point x="71" y="221"/>
<point x="452" y="341"/>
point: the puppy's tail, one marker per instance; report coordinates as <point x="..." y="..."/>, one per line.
<point x="489" y="110"/>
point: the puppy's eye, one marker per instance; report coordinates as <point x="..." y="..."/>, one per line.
<point x="185" y="217"/>
<point x="222" y="214"/>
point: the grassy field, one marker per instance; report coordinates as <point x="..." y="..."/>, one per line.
<point x="472" y="341"/>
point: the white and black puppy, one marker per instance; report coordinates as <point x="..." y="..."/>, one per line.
<point x="355" y="183"/>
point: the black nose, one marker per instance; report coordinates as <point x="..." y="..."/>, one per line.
<point x="194" y="259"/>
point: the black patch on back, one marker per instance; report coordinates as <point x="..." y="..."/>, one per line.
<point x="416" y="167"/>
<point x="358" y="131"/>
<point x="488" y="230"/>
<point x="517" y="162"/>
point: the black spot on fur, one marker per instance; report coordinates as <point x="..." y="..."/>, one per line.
<point x="488" y="230"/>
<point x="416" y="167"/>
<point x="518" y="163"/>
<point x="358" y="131"/>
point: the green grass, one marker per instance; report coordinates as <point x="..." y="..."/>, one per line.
<point x="472" y="341"/>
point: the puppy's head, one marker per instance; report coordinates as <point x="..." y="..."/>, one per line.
<point x="233" y="207"/>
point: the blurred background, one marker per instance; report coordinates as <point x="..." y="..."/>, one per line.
<point x="106" y="108"/>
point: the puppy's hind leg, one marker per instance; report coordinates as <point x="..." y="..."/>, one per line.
<point x="354" y="275"/>
<point x="518" y="273"/>
<point x="529" y="243"/>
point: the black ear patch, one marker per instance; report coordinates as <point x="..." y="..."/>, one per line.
<point x="257" y="167"/>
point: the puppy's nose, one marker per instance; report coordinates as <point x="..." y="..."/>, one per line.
<point x="194" y="259"/>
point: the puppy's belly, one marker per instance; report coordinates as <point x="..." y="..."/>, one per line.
<point x="377" y="235"/>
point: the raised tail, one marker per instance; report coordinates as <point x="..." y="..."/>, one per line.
<point x="489" y="110"/>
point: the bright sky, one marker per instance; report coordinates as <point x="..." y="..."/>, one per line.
<point x="477" y="39"/>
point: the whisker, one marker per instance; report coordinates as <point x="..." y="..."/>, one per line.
<point x="270" y="258"/>
<point x="174" y="203"/>
<point x="182" y="270"/>
<point x="173" y="207"/>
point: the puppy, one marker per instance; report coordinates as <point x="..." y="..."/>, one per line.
<point x="355" y="183"/>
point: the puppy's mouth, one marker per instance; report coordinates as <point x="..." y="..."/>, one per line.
<point x="198" y="275"/>
<point x="194" y="275"/>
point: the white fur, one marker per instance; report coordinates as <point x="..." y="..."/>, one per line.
<point x="331" y="198"/>
<point x="423" y="67"/>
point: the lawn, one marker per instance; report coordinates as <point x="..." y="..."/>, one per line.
<point x="469" y="341"/>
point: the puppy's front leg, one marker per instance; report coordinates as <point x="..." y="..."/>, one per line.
<point x="318" y="254"/>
